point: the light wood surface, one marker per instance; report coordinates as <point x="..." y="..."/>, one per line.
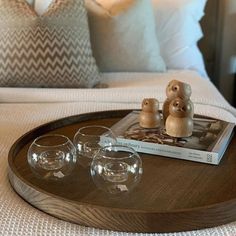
<point x="149" y="115"/>
<point x="173" y="195"/>
<point x="179" y="123"/>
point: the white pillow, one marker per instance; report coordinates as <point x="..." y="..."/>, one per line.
<point x="178" y="28"/>
<point x="125" y="41"/>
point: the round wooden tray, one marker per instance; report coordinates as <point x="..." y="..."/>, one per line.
<point x="173" y="195"/>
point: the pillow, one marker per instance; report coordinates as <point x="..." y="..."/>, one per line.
<point x="123" y="36"/>
<point x="177" y="24"/>
<point x="51" y="50"/>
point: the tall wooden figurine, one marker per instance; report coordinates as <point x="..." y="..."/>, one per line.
<point x="176" y="89"/>
<point x="179" y="123"/>
<point x="150" y="116"/>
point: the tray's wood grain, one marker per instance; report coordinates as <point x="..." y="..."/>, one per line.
<point x="174" y="195"/>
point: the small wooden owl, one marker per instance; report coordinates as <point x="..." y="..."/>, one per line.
<point x="150" y="116"/>
<point x="179" y="123"/>
<point x="176" y="89"/>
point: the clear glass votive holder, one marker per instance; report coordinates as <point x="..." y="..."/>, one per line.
<point x="116" y="169"/>
<point x="52" y="156"/>
<point x="89" y="139"/>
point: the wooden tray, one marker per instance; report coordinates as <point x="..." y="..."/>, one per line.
<point x="173" y="195"/>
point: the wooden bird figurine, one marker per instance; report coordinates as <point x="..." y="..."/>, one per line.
<point x="179" y="123"/>
<point x="176" y="89"/>
<point x="150" y="116"/>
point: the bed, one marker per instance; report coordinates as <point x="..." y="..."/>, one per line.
<point x="23" y="109"/>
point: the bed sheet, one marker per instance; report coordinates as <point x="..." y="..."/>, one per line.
<point x="23" y="109"/>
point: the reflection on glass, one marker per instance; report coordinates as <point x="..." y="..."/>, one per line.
<point x="89" y="139"/>
<point x="116" y="169"/>
<point x="52" y="156"/>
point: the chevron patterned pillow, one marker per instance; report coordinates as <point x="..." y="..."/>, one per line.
<point x="50" y="50"/>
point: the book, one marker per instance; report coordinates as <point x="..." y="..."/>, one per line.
<point x="207" y="144"/>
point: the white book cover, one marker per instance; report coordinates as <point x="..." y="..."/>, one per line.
<point x="207" y="144"/>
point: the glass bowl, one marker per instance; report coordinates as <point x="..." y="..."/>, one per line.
<point x="116" y="169"/>
<point x="89" y="139"/>
<point x="52" y="156"/>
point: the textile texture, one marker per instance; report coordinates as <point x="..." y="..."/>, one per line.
<point x="126" y="41"/>
<point x="179" y="30"/>
<point x="51" y="50"/>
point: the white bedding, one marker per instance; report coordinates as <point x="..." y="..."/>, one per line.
<point x="23" y="109"/>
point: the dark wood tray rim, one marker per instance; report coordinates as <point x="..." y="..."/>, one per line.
<point x="102" y="114"/>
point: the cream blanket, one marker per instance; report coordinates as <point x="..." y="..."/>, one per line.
<point x="23" y="109"/>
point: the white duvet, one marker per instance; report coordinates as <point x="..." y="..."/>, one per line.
<point x="22" y="109"/>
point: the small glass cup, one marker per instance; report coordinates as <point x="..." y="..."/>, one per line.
<point x="116" y="169"/>
<point x="52" y="156"/>
<point x="89" y="139"/>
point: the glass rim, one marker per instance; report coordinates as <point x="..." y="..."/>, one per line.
<point x="89" y="127"/>
<point x="65" y="138"/>
<point x="127" y="148"/>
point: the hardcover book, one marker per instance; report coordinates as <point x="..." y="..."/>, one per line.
<point x="207" y="144"/>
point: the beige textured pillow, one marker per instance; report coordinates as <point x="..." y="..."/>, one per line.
<point x="51" y="50"/>
<point x="123" y="36"/>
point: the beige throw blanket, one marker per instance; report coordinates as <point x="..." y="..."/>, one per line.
<point x="23" y="109"/>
